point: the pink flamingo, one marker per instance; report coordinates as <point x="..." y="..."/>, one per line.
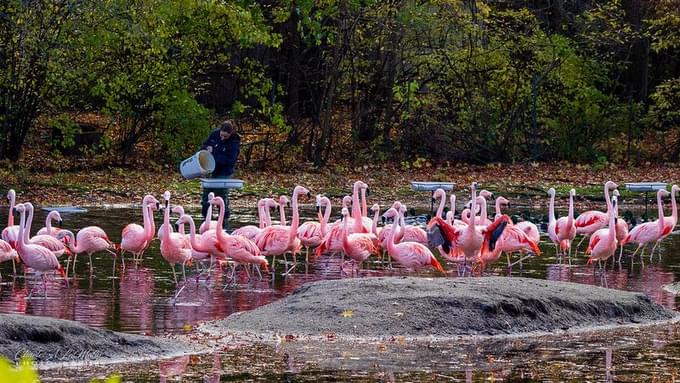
<point x="283" y="203"/>
<point x="135" y="238"/>
<point x="468" y="241"/>
<point x="358" y="246"/>
<point x="552" y="222"/>
<point x="310" y="231"/>
<point x="410" y="233"/>
<point x="514" y="239"/>
<point x="590" y="221"/>
<point x="175" y="247"/>
<point x="10" y="234"/>
<point x="263" y="207"/>
<point x="7" y="253"/>
<point x="375" y="209"/>
<point x="361" y="224"/>
<point x="530" y="229"/>
<point x="411" y="255"/>
<point x="332" y="240"/>
<point x="673" y="219"/>
<point x="440" y="195"/>
<point x="649" y="231"/>
<point x="239" y="248"/>
<point x="90" y="240"/>
<point x="48" y="229"/>
<point x="208" y="224"/>
<point x="621" y="227"/>
<point x="565" y="227"/>
<point x="53" y="244"/>
<point x="603" y="242"/>
<point x="36" y="257"/>
<point x="279" y="239"/>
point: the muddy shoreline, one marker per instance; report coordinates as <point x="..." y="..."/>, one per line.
<point x="381" y="308"/>
<point x="49" y="340"/>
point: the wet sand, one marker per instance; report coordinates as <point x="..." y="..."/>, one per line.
<point x="49" y="340"/>
<point x="379" y="308"/>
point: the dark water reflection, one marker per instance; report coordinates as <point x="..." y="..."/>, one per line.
<point x="138" y="300"/>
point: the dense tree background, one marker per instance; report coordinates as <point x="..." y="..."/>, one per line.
<point x="328" y="80"/>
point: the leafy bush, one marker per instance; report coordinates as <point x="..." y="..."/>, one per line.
<point x="184" y="124"/>
<point x="25" y="372"/>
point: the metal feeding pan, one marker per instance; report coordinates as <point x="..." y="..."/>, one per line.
<point x="645" y="187"/>
<point x="65" y="209"/>
<point x="221" y="183"/>
<point x="431" y="186"/>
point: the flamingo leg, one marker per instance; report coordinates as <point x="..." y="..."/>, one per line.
<point x="14" y="267"/>
<point x="581" y="241"/>
<point x="173" y="273"/>
<point x="113" y="272"/>
<point x="620" y="253"/>
<point x="651" y="256"/>
<point x="91" y="268"/>
<point x="75" y="258"/>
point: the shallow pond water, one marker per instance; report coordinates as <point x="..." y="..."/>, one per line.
<point x="138" y="299"/>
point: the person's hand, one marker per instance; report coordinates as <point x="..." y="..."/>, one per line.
<point x="209" y="148"/>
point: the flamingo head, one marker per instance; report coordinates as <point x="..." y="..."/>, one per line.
<point x="178" y="210"/>
<point x="217" y="201"/>
<point x="375" y="208"/>
<point x="270" y="203"/>
<point x="345" y="213"/>
<point x="438" y="194"/>
<point x="615" y="201"/>
<point x="184" y="219"/>
<point x="11" y="196"/>
<point x="675" y="189"/>
<point x="346" y="201"/>
<point x="551" y="192"/>
<point x="616" y="193"/>
<point x="20" y="208"/>
<point x="610" y="185"/>
<point x="211" y="195"/>
<point x="486" y="194"/>
<point x="502" y="201"/>
<point x="284" y="201"/>
<point x="572" y="193"/>
<point x="301" y="190"/>
<point x="166" y="199"/>
<point x="390" y="213"/>
<point x="318" y="203"/>
<point x="663" y="193"/>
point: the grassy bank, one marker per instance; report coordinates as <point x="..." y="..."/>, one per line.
<point x="387" y="182"/>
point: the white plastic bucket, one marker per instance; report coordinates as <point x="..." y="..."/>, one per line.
<point x="200" y="164"/>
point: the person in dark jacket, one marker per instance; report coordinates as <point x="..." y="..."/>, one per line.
<point x="224" y="144"/>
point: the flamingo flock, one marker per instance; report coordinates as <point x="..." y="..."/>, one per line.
<point x="470" y="243"/>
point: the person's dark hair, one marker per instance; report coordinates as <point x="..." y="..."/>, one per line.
<point x="227" y="126"/>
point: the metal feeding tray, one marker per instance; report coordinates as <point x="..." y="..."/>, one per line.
<point x="65" y="209"/>
<point x="431" y="186"/>
<point x="221" y="183"/>
<point x="645" y="187"/>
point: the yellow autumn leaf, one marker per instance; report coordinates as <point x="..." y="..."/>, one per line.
<point x="347" y="313"/>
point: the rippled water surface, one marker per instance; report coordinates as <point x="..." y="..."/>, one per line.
<point x="138" y="299"/>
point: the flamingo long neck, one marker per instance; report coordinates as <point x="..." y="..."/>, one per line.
<point x="391" y="241"/>
<point x="374" y="226"/>
<point x="551" y="209"/>
<point x="442" y="202"/>
<point x="453" y="203"/>
<point x="267" y="215"/>
<point x="208" y="216"/>
<point x="10" y="216"/>
<point x="675" y="206"/>
<point x="612" y="222"/>
<point x="282" y="213"/>
<point x="220" y="221"/>
<point x="483" y="215"/>
<point x="152" y="223"/>
<point x="356" y="206"/>
<point x="48" y="223"/>
<point x="325" y="219"/>
<point x="471" y="225"/>
<point x="180" y="227"/>
<point x="296" y="219"/>
<point x="75" y="248"/>
<point x="192" y="233"/>
<point x="260" y="214"/>
<point x="27" y="232"/>
<point x="570" y="218"/>
<point x="498" y="207"/>
<point x="21" y="242"/>
<point x="345" y="240"/>
<point x="364" y="207"/>
<point x="166" y="220"/>
<point x="659" y="201"/>
<point x="607" y="197"/>
<point x="145" y="215"/>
